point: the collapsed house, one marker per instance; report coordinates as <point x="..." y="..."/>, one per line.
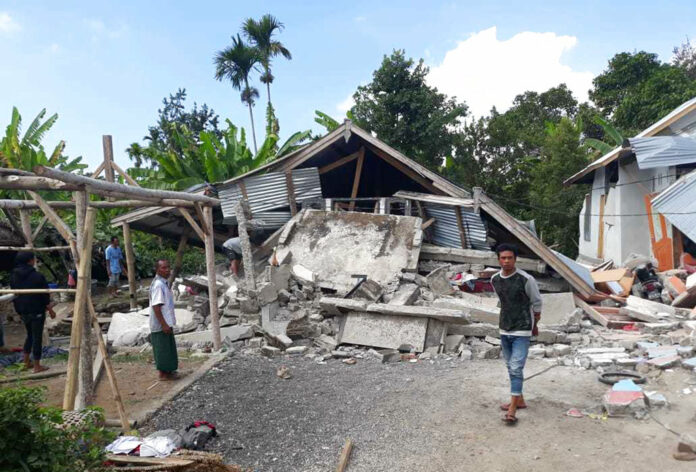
<point x="636" y="205"/>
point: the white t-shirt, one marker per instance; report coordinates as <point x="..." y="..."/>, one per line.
<point x="161" y="294"/>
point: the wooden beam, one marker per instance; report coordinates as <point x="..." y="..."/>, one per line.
<point x="31" y="205"/>
<point x="130" y="265"/>
<point x="85" y="388"/>
<point x="187" y="216"/>
<point x="341" y="162"/>
<point x="427" y="223"/>
<point x="108" y="146"/>
<point x="439" y="199"/>
<point x="33" y="291"/>
<point x="212" y="279"/>
<point x="38" y="228"/>
<point x="84" y="279"/>
<point x="125" y="175"/>
<point x="591" y="312"/>
<point x="98" y="170"/>
<point x="125" y="424"/>
<point x="201" y="218"/>
<point x="460" y="226"/>
<point x="34" y="249"/>
<point x="25" y="220"/>
<point x="30" y="182"/>
<point x="103" y="188"/>
<point x="291" y="192"/>
<point x="356" y="179"/>
<point x="179" y="258"/>
<point x="57" y="222"/>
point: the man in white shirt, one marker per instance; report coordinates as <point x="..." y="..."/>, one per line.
<point x="162" y="321"/>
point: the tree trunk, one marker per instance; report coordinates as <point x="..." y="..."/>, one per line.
<point x="253" y="129"/>
<point x="268" y="89"/>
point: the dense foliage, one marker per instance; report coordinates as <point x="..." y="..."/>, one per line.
<point x="30" y="440"/>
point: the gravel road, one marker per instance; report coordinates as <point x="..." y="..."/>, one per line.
<point x="437" y="415"/>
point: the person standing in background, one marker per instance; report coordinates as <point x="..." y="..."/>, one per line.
<point x="114" y="265"/>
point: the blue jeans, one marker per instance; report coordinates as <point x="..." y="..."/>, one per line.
<point x="515" y="349"/>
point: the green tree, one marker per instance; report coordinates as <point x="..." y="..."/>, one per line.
<point x="685" y="57"/>
<point x="405" y="112"/>
<point x="261" y="34"/>
<point x="236" y="63"/>
<point x="637" y="89"/>
<point x="173" y="113"/>
<point x="609" y="131"/>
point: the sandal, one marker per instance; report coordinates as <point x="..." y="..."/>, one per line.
<point x="509" y="420"/>
<point x="506" y="407"/>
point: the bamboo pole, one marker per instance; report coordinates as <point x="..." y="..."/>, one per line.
<point x="57" y="222"/>
<point x="83" y="286"/>
<point x="247" y="258"/>
<point x="187" y="216"/>
<point x="39" y="227"/>
<point x="212" y="282"/>
<point x="32" y="205"/>
<point x="34" y="249"/>
<point x="179" y="258"/>
<point x="125" y="424"/>
<point x="130" y="265"/>
<point x="33" y="291"/>
<point x="85" y="390"/>
<point x="26" y="182"/>
<point x="101" y="187"/>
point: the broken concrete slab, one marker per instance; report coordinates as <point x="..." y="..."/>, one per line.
<point x="453" y="341"/>
<point x="267" y="293"/>
<point x="231" y="333"/>
<point x="335" y="245"/>
<point x="279" y="276"/>
<point x="303" y="274"/>
<point x="473" y="256"/>
<point x="326" y="342"/>
<point x="662" y="351"/>
<point x="442" y="314"/>
<point x="339" y="306"/>
<point x="129" y="329"/>
<point x="386" y="355"/>
<point x="558" y="310"/>
<point x="369" y="329"/>
<point x="479" y="330"/>
<point x="435" y="334"/>
<point x="618" y="403"/>
<point x="407" y="294"/>
<point x="270" y="351"/>
<point x="272" y="322"/>
<point x="368" y="290"/>
<point x="655" y="308"/>
<point x="438" y="282"/>
<point x="478" y="312"/>
<point x="665" y="362"/>
<point x="640" y="314"/>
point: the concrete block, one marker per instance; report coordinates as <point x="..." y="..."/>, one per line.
<point x="388" y="355"/>
<point x="537" y="352"/>
<point x="453" y="341"/>
<point x="248" y="305"/>
<point x="547" y="336"/>
<point x="487" y="352"/>
<point x="271" y="322"/>
<point x="303" y="274"/>
<point x="558" y="310"/>
<point x="479" y="312"/>
<point x="407" y="294"/>
<point x="492" y="340"/>
<point x="659" y="328"/>
<point x="618" y="403"/>
<point x="438" y="282"/>
<point x="385" y="331"/>
<point x="655" y="399"/>
<point x="296" y="350"/>
<point x="270" y="351"/>
<point x="645" y="345"/>
<point x="280" y="276"/>
<point x="229" y="333"/>
<point x="369" y="290"/>
<point x="662" y="351"/>
<point x="327" y="342"/>
<point x="267" y="293"/>
<point x="479" y="330"/>
<point x="561" y="350"/>
<point x="665" y="362"/>
<point x="628" y="362"/>
<point x="341" y="354"/>
<point x="466" y="354"/>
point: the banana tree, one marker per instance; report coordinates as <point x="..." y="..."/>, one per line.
<point x="610" y="133"/>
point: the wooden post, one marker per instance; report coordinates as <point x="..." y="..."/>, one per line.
<point x="38" y="228"/>
<point x="85" y="388"/>
<point x="125" y="424"/>
<point x="84" y="277"/>
<point x="179" y="258"/>
<point x="356" y="179"/>
<point x="247" y="258"/>
<point x="25" y="220"/>
<point x="108" y="146"/>
<point x="291" y="192"/>
<point x="212" y="281"/>
<point x="460" y="226"/>
<point x="57" y="222"/>
<point x="130" y="265"/>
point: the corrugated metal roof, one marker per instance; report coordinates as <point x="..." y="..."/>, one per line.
<point x="678" y="204"/>
<point x="446" y="230"/>
<point x="269" y="192"/>
<point x="580" y="270"/>
<point x="661" y="151"/>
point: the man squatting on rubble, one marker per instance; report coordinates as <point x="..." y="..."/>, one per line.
<point x="162" y="321"/>
<point x="31" y="307"/>
<point x="233" y="249"/>
<point x="520" y="311"/>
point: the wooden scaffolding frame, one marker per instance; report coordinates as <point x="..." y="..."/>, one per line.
<point x="79" y="386"/>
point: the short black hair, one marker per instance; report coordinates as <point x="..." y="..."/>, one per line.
<point x="113" y="237"/>
<point x="24" y="258"/>
<point x="506" y="247"/>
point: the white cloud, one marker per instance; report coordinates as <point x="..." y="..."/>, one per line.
<point x="8" y="24"/>
<point x="100" y="30"/>
<point x="54" y="48"/>
<point x="485" y="71"/>
<point x="360" y="19"/>
<point x="346" y="104"/>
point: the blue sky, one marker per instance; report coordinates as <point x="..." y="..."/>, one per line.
<point x="104" y="67"/>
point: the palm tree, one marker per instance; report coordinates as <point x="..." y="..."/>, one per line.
<point x="235" y="63"/>
<point x="260" y="34"/>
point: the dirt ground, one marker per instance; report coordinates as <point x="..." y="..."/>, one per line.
<point x="437" y="415"/>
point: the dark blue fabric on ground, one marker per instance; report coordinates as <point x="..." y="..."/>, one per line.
<point x="46" y="352"/>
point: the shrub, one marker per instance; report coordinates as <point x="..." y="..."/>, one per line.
<point x="30" y="439"/>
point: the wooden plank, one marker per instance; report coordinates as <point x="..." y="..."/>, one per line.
<point x="104" y="188"/>
<point x="137" y="460"/>
<point x="187" y="216"/>
<point x="427" y="224"/>
<point x="57" y="222"/>
<point x="341" y="162"/>
<point x="130" y="265"/>
<point x="356" y="179"/>
<point x="201" y="218"/>
<point x="600" y="237"/>
<point x="345" y="456"/>
<point x="438" y="199"/>
<point x="98" y="170"/>
<point x="34" y="249"/>
<point x="125" y="175"/>
<point x="243" y="189"/>
<point x="591" y="312"/>
<point x="291" y="192"/>
<point x="406" y="170"/>
<point x="460" y="226"/>
<point x="212" y="282"/>
<point x="84" y="278"/>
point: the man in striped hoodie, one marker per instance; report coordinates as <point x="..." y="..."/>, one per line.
<point x="520" y="311"/>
